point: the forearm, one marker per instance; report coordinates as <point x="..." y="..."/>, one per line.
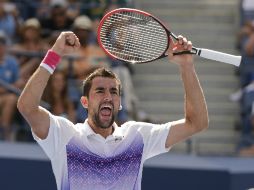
<point x="29" y="101"/>
<point x="195" y="105"/>
<point x="196" y="115"/>
<point x="30" y="98"/>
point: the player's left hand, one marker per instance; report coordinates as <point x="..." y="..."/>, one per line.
<point x="182" y="44"/>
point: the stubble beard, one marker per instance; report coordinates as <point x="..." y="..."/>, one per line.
<point x="103" y="125"/>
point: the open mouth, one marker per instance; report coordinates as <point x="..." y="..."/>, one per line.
<point x="106" y="110"/>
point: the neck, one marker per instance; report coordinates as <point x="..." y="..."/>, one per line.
<point x="105" y="132"/>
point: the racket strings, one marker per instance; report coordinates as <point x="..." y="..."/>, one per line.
<point x="133" y="44"/>
<point x="133" y="37"/>
<point x="132" y="47"/>
<point x="144" y="43"/>
<point x="131" y="41"/>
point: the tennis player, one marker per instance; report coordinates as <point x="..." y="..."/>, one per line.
<point x="98" y="154"/>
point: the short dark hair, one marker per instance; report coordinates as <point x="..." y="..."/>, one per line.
<point x="100" y="72"/>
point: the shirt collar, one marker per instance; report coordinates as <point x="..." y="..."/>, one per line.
<point x="117" y="134"/>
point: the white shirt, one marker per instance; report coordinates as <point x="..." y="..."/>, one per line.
<point x="83" y="160"/>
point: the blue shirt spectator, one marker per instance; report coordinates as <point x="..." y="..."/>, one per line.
<point x="9" y="69"/>
<point x="7" y="23"/>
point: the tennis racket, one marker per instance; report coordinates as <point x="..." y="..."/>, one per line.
<point x="138" y="37"/>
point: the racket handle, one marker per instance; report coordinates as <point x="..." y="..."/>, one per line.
<point x="219" y="56"/>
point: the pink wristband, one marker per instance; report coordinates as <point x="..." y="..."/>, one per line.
<point x="50" y="61"/>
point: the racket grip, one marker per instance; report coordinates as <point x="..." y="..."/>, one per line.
<point x="219" y="56"/>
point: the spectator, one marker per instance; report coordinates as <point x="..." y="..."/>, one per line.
<point x="58" y="20"/>
<point x="56" y="95"/>
<point x="94" y="8"/>
<point x="43" y="9"/>
<point x="12" y="9"/>
<point x="91" y="55"/>
<point x="248" y="151"/>
<point x="9" y="73"/>
<point x="29" y="47"/>
<point x="7" y="23"/>
<point x="249" y="44"/>
<point x="245" y="31"/>
<point x="246" y="10"/>
<point x="73" y="8"/>
<point x="245" y="40"/>
<point x="246" y="104"/>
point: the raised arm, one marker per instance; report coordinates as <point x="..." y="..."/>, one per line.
<point x="196" y="115"/>
<point x="29" y="100"/>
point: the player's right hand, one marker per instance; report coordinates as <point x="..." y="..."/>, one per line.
<point x="66" y="43"/>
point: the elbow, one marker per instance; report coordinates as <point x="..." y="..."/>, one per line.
<point x="199" y="124"/>
<point x="202" y="124"/>
<point x="23" y="107"/>
<point x="20" y="105"/>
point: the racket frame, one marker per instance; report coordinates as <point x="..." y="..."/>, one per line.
<point x="109" y="14"/>
<point x="206" y="53"/>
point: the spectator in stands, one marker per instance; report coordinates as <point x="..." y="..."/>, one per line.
<point x="9" y="73"/>
<point x="249" y="45"/>
<point x="43" y="9"/>
<point x="93" y="8"/>
<point x="58" y="20"/>
<point x="12" y="9"/>
<point x="246" y="102"/>
<point x="245" y="95"/>
<point x="73" y="8"/>
<point x="246" y="10"/>
<point x="246" y="145"/>
<point x="249" y="150"/>
<point x="91" y="55"/>
<point x="245" y="32"/>
<point x="29" y="48"/>
<point x="7" y="23"/>
<point x="56" y="95"/>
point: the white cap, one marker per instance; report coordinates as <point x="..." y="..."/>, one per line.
<point x="83" y="22"/>
<point x="32" y="22"/>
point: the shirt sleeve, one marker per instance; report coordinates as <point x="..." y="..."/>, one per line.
<point x="154" y="138"/>
<point x="60" y="132"/>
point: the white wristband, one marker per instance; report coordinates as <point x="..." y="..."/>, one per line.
<point x="47" y="67"/>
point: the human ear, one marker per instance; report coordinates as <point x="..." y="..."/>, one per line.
<point x="84" y="101"/>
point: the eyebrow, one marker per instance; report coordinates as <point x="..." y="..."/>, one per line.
<point x="114" y="88"/>
<point x="111" y="89"/>
<point x="99" y="88"/>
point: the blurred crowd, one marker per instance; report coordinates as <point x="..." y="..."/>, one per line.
<point x="27" y="30"/>
<point x="245" y="95"/>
